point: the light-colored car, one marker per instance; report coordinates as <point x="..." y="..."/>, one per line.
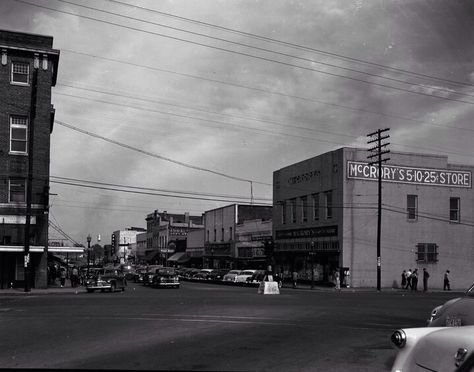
<point x="455" y="312"/>
<point x="434" y="349"/>
<point x="230" y="276"/>
<point x="243" y="276"/>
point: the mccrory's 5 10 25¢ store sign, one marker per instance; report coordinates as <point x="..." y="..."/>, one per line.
<point x="418" y="176"/>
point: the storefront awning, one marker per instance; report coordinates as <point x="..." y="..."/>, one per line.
<point x="179" y="257"/>
<point x="153" y="255"/>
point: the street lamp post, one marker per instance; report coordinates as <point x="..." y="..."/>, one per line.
<point x="212" y="258"/>
<point x="88" y="252"/>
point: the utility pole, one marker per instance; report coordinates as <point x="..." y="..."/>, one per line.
<point x="29" y="182"/>
<point x="378" y="152"/>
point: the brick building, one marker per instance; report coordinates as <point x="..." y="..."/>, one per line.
<point x="325" y="217"/>
<point x="28" y="70"/>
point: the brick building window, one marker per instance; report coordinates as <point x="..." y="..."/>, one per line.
<point x="412" y="207"/>
<point x="17" y="190"/>
<point x="222" y="234"/>
<point x="426" y="252"/>
<point x="454" y="207"/>
<point x="230" y="233"/>
<point x="20" y="73"/>
<point x="283" y="212"/>
<point x="18" y="134"/>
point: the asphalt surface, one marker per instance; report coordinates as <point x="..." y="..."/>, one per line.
<point x="206" y="327"/>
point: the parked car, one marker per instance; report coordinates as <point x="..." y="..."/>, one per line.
<point x="455" y="312"/>
<point x="106" y="279"/>
<point x="217" y="275"/>
<point x="243" y="276"/>
<point x="256" y="278"/>
<point x="230" y="276"/>
<point x="204" y="274"/>
<point x="434" y="349"/>
<point x="190" y="273"/>
<point x="165" y="277"/>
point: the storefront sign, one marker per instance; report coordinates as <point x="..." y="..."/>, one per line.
<point x="304" y="177"/>
<point x="314" y="232"/>
<point x="411" y="175"/>
<point x="16" y="220"/>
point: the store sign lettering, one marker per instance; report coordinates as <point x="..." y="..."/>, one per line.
<point x="304" y="177"/>
<point x="411" y="175"/>
<point x="315" y="232"/>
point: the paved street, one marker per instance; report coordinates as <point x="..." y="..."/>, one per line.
<point x="209" y="327"/>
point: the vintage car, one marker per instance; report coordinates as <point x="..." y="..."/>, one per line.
<point x="243" y="276"/>
<point x="230" y="276"/>
<point x="165" y="277"/>
<point x="204" y="274"/>
<point x="455" y="312"/>
<point x="106" y="279"/>
<point x="148" y="273"/>
<point x="434" y="349"/>
<point x="217" y="275"/>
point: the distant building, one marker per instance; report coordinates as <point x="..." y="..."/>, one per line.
<point x="140" y="253"/>
<point x="28" y="70"/>
<point x="235" y="236"/>
<point x="125" y="244"/>
<point x="195" y="248"/>
<point x="167" y="234"/>
<point x="325" y="218"/>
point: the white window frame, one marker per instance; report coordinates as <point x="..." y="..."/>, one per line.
<point x="18" y="126"/>
<point x="13" y="182"/>
<point x="12" y="81"/>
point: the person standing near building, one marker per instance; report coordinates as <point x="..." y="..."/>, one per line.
<point x="446" y="285"/>
<point x="414" y="280"/>
<point x="404" y="279"/>
<point x="295" y="278"/>
<point x="62" y="276"/>
<point x="337" y="280"/>
<point x="426" y="275"/>
<point x="408" y="285"/>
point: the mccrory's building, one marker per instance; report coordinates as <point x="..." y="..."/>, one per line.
<point x="325" y="218"/>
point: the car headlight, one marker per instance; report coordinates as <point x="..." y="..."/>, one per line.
<point x="399" y="338"/>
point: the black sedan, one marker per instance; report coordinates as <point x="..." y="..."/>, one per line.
<point x="165" y="277"/>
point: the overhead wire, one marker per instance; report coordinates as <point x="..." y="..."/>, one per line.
<point x="294" y="45"/>
<point x="249" y="55"/>
<point x="262" y="49"/>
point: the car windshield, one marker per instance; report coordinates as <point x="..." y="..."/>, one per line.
<point x="166" y="271"/>
<point x="234" y="272"/>
<point x="246" y="273"/>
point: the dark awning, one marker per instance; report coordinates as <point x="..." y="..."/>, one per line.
<point x="153" y="255"/>
<point x="179" y="257"/>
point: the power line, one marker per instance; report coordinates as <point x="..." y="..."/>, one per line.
<point x="235" y="126"/>
<point x="297" y="46"/>
<point x="232" y="84"/>
<point x="262" y="49"/>
<point x="249" y="55"/>
<point x="156" y="155"/>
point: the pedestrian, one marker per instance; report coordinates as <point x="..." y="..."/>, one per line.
<point x="295" y="278"/>
<point x="414" y="280"/>
<point x="408" y="279"/>
<point x="337" y="280"/>
<point x="426" y="275"/>
<point x="404" y="279"/>
<point x="348" y="277"/>
<point x="446" y="285"/>
<point x="74" y="277"/>
<point x="62" y="276"/>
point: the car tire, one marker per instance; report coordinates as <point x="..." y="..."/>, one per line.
<point x="113" y="287"/>
<point x="89" y="290"/>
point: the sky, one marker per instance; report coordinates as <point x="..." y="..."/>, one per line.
<point x="181" y="100"/>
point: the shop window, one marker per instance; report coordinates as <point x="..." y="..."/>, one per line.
<point x="454" y="209"/>
<point x="329" y="207"/>
<point x="222" y="234"/>
<point x="17" y="191"/>
<point x="230" y="233"/>
<point x="412" y="207"/>
<point x="304" y="210"/>
<point x="427" y="252"/>
<point x="18" y="135"/>
<point x="215" y="234"/>
<point x="20" y="73"/>
<point x="315" y="206"/>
